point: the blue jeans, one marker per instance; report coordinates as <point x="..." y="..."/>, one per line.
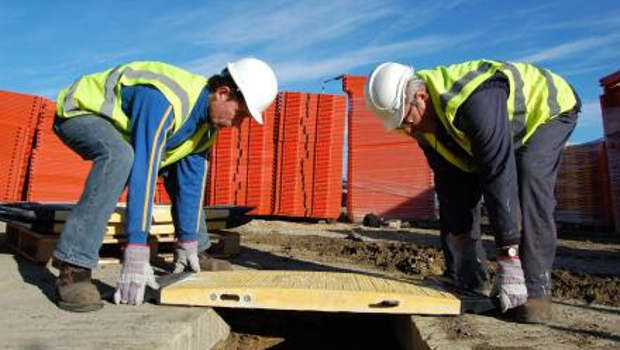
<point x="94" y="138"/>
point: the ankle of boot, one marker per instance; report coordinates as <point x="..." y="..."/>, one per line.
<point x="69" y="273"/>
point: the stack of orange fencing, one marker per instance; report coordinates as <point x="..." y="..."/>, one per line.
<point x="261" y="162"/>
<point x="582" y="187"/>
<point x="328" y="156"/>
<point x="161" y="195"/>
<point x="31" y="150"/>
<point x="290" y="166"/>
<point x="18" y="118"/>
<point x="387" y="172"/>
<point x="56" y="174"/>
<point x="309" y="148"/>
<point x="610" y="105"/>
<point x="242" y="163"/>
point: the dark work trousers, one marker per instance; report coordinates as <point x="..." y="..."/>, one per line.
<point x="537" y="167"/>
<point x="459" y="194"/>
<point x="460" y="200"/>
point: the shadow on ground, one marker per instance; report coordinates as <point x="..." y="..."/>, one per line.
<point x="277" y="330"/>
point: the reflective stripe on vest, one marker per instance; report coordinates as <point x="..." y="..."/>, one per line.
<point x="467" y="166"/>
<point x="114" y="77"/>
<point x="200" y="141"/>
<point x="449" y="87"/>
<point x="458" y="85"/>
<point x="517" y="109"/>
<point x="99" y="93"/>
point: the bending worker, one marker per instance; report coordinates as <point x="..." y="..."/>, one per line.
<point x="136" y="121"/>
<point x="492" y="129"/>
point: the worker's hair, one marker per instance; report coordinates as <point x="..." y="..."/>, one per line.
<point x="224" y="79"/>
<point x="413" y="85"/>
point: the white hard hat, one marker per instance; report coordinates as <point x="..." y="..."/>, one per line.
<point x="257" y="83"/>
<point x="385" y="92"/>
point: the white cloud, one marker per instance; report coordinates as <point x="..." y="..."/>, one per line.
<point x="543" y="8"/>
<point x="587" y="68"/>
<point x="565" y="50"/>
<point x="602" y="20"/>
<point x="291" y="24"/>
<point x="293" y="71"/>
<point x="211" y="64"/>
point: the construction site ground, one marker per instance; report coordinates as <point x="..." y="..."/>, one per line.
<point x="586" y="299"/>
<point x="586" y="303"/>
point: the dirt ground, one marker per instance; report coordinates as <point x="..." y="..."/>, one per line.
<point x="586" y="290"/>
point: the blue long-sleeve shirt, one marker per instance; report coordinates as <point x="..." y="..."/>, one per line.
<point x="152" y="119"/>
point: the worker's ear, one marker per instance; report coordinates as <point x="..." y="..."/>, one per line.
<point x="222" y="93"/>
<point x="421" y="94"/>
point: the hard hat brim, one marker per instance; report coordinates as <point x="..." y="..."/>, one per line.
<point x="397" y="117"/>
<point x="256" y="114"/>
<point x="252" y="108"/>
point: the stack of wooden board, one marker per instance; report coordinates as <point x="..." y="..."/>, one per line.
<point x="162" y="228"/>
<point x="33" y="228"/>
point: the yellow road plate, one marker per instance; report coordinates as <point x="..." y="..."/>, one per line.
<point x="308" y="291"/>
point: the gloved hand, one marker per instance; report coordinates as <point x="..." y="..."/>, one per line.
<point x="136" y="274"/>
<point x="186" y="256"/>
<point x="509" y="285"/>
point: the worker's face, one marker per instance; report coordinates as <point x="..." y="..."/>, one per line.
<point x="226" y="108"/>
<point x="414" y="112"/>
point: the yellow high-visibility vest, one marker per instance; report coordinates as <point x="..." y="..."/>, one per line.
<point x="536" y="96"/>
<point x="100" y="93"/>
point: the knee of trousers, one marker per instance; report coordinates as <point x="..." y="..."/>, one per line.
<point x="121" y="157"/>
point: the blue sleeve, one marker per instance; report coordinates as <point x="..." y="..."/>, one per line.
<point x="151" y="118"/>
<point x="191" y="175"/>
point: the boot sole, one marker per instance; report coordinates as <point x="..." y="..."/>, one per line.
<point x="79" y="307"/>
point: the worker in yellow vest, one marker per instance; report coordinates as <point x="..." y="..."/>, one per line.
<point x="492" y="130"/>
<point x="136" y="121"/>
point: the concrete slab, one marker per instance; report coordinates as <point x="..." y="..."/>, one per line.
<point x="30" y="319"/>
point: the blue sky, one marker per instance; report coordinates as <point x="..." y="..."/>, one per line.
<point x="46" y="44"/>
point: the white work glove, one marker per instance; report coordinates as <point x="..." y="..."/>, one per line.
<point x="186" y="257"/>
<point x="509" y="285"/>
<point x="136" y="274"/>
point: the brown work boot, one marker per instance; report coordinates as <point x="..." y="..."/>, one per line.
<point x="536" y="310"/>
<point x="208" y="263"/>
<point x="76" y="292"/>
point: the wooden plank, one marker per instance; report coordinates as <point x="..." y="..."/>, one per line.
<point x="122" y="238"/>
<point x="216" y="225"/>
<point x="160" y="214"/>
<point x="29" y="244"/>
<point x="162" y="229"/>
<point x="119" y="229"/>
<point x="116" y="217"/>
<point x="308" y="291"/>
<point x="39" y="247"/>
<point x="226" y="244"/>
